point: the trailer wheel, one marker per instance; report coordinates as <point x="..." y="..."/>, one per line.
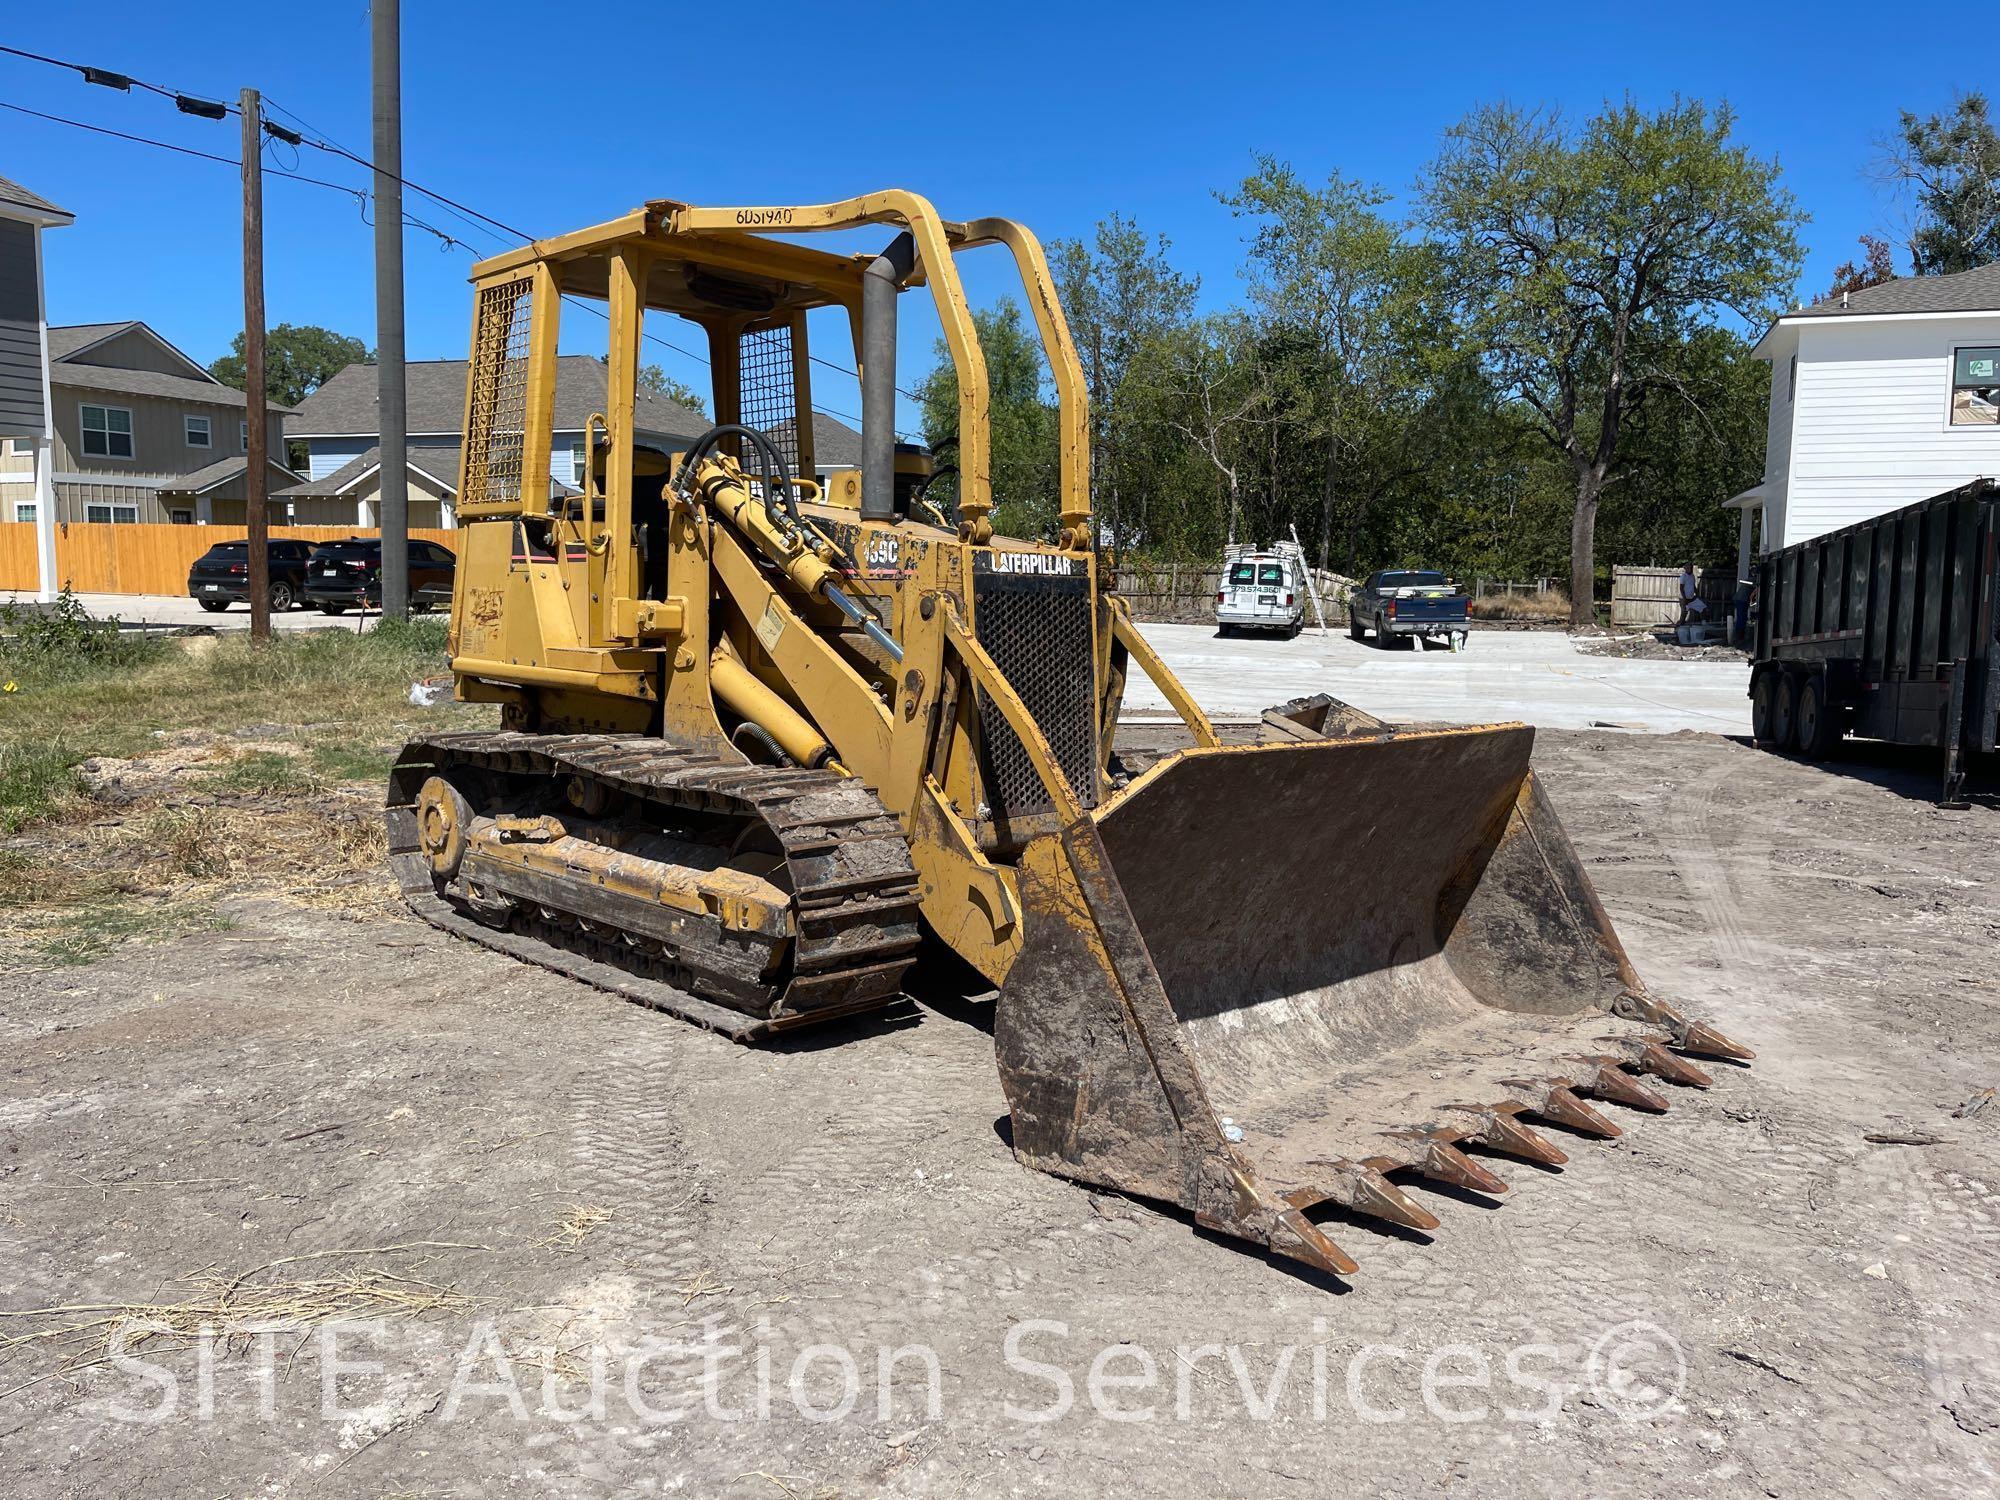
<point x="1817" y="724"/>
<point x="1764" y="708"/>
<point x="1785" y="713"/>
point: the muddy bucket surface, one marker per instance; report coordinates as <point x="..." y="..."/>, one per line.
<point x="1280" y="972"/>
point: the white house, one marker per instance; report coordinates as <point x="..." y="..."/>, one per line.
<point x="1879" y="398"/>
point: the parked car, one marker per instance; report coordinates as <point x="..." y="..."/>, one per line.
<point x="346" y="574"/>
<point x="1262" y="589"/>
<point x="220" y="577"/>
<point x="1408" y="604"/>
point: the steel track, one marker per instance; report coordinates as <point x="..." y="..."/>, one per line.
<point x="854" y="890"/>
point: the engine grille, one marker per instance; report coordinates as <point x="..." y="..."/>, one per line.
<point x="1037" y="630"/>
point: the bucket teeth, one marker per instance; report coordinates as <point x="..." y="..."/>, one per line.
<point x="1704" y="1040"/>
<point x="1438" y="1159"/>
<point x="1552" y="1099"/>
<point x="1365" y="1190"/>
<point x="1686" y="1033"/>
<point x="1500" y="1131"/>
<point x="1296" y="1236"/>
<point x="1608" y="1080"/>
<point x="1649" y="1055"/>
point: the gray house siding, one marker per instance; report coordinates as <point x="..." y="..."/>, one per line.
<point x="135" y="349"/>
<point x="20" y="333"/>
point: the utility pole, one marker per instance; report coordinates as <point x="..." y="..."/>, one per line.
<point x="392" y="413"/>
<point x="253" y="367"/>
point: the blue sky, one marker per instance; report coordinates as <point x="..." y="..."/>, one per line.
<point x="1052" y="115"/>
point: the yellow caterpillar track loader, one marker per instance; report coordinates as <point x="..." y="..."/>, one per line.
<point x="762" y="725"/>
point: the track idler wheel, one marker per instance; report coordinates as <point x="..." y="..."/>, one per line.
<point x="444" y="819"/>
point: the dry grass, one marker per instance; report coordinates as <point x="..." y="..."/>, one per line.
<point x="77" y="1337"/>
<point x="241" y="770"/>
<point x="574" y="1228"/>
<point x="1552" y="606"/>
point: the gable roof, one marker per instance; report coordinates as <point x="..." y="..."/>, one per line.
<point x="31" y="205"/>
<point x="68" y="340"/>
<point x="149" y="383"/>
<point x="220" y="473"/>
<point x="438" y="465"/>
<point x="835" y="444"/>
<point x="434" y="396"/>
<point x="1977" y="290"/>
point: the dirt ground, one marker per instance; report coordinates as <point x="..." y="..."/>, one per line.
<point x="502" y="1179"/>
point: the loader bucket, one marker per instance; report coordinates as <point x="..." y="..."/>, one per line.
<point x="1273" y="977"/>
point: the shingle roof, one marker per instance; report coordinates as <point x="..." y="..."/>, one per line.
<point x="66" y="338"/>
<point x="435" y="400"/>
<point x="440" y="464"/>
<point x="147" y="383"/>
<point x="12" y="192"/>
<point x="220" y="472"/>
<point x="1965" y="291"/>
<point x="835" y="444"/>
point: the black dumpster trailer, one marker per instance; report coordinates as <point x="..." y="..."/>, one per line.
<point x="1889" y="628"/>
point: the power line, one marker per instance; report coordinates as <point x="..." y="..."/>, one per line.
<point x="320" y="141"/>
<point x="125" y="83"/>
<point x="358" y="194"/>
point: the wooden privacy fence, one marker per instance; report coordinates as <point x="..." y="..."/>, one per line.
<point x="1186" y="591"/>
<point x="101" y="558"/>
<point x="1652" y="596"/>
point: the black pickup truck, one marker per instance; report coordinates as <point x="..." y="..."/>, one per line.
<point x="1408" y="604"/>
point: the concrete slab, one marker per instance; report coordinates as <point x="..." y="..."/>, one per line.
<point x="1535" y="676"/>
<point x="177" y="610"/>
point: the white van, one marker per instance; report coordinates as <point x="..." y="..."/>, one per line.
<point x="1262" y="589"/>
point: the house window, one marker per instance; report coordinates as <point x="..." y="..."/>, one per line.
<point x="1975" y="387"/>
<point x="181" y="517"/>
<point x="199" y="434"/>
<point x="24" y="510"/>
<point x="107" y="432"/>
<point x="243" y="436"/>
<point x="125" y="514"/>
<point x="1792" y="381"/>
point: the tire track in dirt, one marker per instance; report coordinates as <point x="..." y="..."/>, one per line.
<point x="626" y="1159"/>
<point x="1691" y="844"/>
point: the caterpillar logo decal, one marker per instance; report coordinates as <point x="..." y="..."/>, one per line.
<point x="1046" y="564"/>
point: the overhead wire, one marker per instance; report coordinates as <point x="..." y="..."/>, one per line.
<point x="321" y="141"/>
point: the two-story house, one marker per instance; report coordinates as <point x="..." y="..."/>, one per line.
<point x="340" y="430"/>
<point x="143" y="433"/>
<point x="1879" y="398"/>
<point x="27" y="435"/>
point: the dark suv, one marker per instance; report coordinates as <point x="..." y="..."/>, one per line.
<point x="220" y="577"/>
<point x="349" y="573"/>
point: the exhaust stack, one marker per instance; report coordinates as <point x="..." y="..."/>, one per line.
<point x="881" y="283"/>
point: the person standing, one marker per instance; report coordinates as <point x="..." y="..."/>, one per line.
<point x="1692" y="607"/>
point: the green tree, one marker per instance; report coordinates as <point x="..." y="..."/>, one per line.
<point x="660" y="383"/>
<point x="1120" y="297"/>
<point x="1218" y="392"/>
<point x="1025" y="458"/>
<point x="298" y="360"/>
<point x="1950" y="163"/>
<point x="1325" y="263"/>
<point x="1584" y="258"/>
